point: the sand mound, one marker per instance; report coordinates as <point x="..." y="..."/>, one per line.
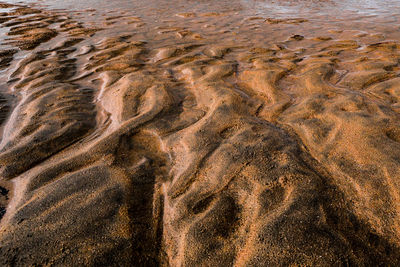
<point x="176" y="150"/>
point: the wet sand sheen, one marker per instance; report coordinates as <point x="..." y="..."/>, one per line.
<point x="200" y="139"/>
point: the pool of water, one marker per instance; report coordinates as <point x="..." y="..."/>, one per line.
<point x="293" y="8"/>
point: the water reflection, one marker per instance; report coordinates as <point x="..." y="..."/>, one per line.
<point x="338" y="8"/>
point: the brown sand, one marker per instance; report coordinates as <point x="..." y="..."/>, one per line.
<point x="177" y="145"/>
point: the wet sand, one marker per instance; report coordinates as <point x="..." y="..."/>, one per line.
<point x="238" y="133"/>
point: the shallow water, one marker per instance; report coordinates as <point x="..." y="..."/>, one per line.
<point x="339" y="9"/>
<point x="255" y="7"/>
<point x="381" y="16"/>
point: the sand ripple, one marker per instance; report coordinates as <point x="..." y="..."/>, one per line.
<point x="125" y="151"/>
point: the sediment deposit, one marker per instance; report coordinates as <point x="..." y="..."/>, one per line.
<point x="187" y="143"/>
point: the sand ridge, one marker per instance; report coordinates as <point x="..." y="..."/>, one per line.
<point x="193" y="144"/>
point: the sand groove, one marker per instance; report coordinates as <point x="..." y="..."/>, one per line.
<point x="127" y="151"/>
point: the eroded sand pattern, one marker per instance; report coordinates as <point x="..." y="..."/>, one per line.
<point x="205" y="139"/>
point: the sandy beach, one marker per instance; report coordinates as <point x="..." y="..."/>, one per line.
<point x="200" y="133"/>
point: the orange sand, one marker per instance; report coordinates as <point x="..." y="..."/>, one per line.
<point x="190" y="143"/>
